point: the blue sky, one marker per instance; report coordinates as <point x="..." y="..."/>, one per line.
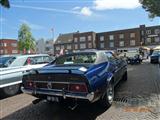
<point x="67" y="16"/>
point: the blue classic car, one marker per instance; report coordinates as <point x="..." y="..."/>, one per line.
<point x="155" y="56"/>
<point x="85" y="76"/>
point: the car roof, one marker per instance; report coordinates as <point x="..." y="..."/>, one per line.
<point x="33" y="55"/>
<point x="90" y="51"/>
<point x="14" y="55"/>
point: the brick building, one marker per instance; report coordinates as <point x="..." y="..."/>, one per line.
<point x="75" y="42"/>
<point x="84" y="40"/>
<point x="129" y="39"/>
<point x="63" y="42"/>
<point x="8" y="46"/>
<point x="119" y="40"/>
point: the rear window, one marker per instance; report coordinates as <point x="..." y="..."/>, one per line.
<point x="86" y="58"/>
<point x="156" y="53"/>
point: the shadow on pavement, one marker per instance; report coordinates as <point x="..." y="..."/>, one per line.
<point x="48" y="111"/>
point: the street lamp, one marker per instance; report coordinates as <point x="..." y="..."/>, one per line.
<point x="52" y="30"/>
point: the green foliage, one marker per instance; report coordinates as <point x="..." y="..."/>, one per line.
<point x="151" y="6"/>
<point x="5" y="3"/>
<point x="25" y="38"/>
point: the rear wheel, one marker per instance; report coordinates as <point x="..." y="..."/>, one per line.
<point x="10" y="90"/>
<point x="107" y="99"/>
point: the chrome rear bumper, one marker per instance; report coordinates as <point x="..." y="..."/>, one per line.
<point x="61" y="93"/>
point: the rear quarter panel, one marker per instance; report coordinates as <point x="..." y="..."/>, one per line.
<point x="97" y="76"/>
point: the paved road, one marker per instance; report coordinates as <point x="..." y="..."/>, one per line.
<point x="136" y="99"/>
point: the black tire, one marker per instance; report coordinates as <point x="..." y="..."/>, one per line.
<point x="125" y="76"/>
<point x="107" y="99"/>
<point x="10" y="90"/>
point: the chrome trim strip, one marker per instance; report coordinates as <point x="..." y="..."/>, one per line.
<point x="59" y="82"/>
<point x="9" y="84"/>
<point x="88" y="96"/>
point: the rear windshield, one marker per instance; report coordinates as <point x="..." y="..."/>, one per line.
<point x="156" y="53"/>
<point x="87" y="58"/>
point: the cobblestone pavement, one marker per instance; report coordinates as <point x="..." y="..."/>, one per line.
<point x="136" y="99"/>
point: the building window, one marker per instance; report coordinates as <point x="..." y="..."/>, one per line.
<point x="101" y="38"/>
<point x="1" y="51"/>
<point x="75" y="39"/>
<point x="89" y="45"/>
<point x="148" y="40"/>
<point x="89" y="38"/>
<point x="111" y="37"/>
<point x="59" y="41"/>
<point x="69" y="47"/>
<point x="121" y="36"/>
<point x="101" y="45"/>
<point x="82" y="39"/>
<point x="62" y="46"/>
<point x="14" y="44"/>
<point x="157" y="39"/>
<point x="157" y="31"/>
<point x="142" y="32"/>
<point x="57" y="48"/>
<point x="5" y="44"/>
<point x="148" y="32"/>
<point x="132" y="42"/>
<point x="111" y="44"/>
<point x="69" y="40"/>
<point x="76" y="46"/>
<point x="82" y="46"/>
<point x="132" y="35"/>
<point x="5" y="51"/>
<point x="14" y="51"/>
<point x="1" y="44"/>
<point x="121" y="43"/>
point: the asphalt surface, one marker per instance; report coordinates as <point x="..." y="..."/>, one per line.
<point x="136" y="99"/>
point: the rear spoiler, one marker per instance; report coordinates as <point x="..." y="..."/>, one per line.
<point x="79" y="70"/>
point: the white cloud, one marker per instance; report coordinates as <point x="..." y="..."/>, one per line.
<point x="76" y="8"/>
<point x="31" y="25"/>
<point x="86" y="11"/>
<point x="46" y="9"/>
<point x="115" y="4"/>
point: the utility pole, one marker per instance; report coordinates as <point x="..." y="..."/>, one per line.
<point x="52" y="30"/>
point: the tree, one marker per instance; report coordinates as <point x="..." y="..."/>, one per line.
<point x="5" y="3"/>
<point x="151" y="6"/>
<point x="25" y="38"/>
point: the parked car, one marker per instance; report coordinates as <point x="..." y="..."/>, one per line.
<point x="132" y="57"/>
<point x="159" y="60"/>
<point x="12" y="68"/>
<point x="6" y="60"/>
<point x="154" y="57"/>
<point x="86" y="76"/>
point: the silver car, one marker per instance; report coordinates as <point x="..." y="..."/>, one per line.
<point x="12" y="69"/>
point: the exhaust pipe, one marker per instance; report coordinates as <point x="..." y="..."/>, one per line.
<point x="36" y="101"/>
<point x="73" y="106"/>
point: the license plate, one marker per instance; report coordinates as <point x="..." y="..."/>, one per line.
<point x="52" y="98"/>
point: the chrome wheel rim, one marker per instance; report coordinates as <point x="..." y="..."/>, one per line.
<point x="110" y="94"/>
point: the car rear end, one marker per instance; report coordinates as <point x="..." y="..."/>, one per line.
<point x="59" y="81"/>
<point x="57" y="85"/>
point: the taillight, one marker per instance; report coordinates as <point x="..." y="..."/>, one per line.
<point x="30" y="84"/>
<point x="78" y="88"/>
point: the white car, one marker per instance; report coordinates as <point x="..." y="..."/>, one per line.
<point x="12" y="69"/>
